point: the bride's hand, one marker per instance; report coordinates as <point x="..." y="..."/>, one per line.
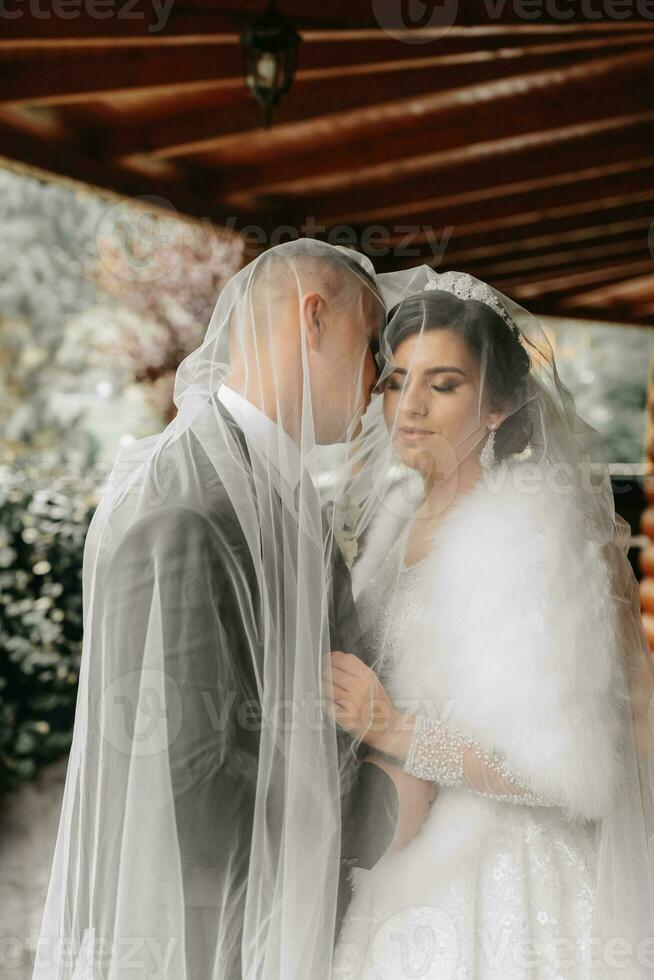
<point x="358" y="700"/>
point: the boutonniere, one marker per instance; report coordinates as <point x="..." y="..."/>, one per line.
<point x="344" y="522"/>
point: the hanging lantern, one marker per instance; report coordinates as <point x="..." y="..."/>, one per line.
<point x="270" y="47"/>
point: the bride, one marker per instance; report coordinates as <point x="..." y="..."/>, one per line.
<point x="502" y="615"/>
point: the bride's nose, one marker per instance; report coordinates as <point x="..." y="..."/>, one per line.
<point x="414" y="402"/>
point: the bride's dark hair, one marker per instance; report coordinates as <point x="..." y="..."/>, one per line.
<point x="487" y="336"/>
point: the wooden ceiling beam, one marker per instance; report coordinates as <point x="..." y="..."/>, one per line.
<point x="59" y="157"/>
<point x="147" y="18"/>
<point x="507" y="205"/>
<point x="41" y="73"/>
<point x="561" y="286"/>
<point x="631" y="294"/>
<point x="614" y="302"/>
<point x="552" y="261"/>
<point x="533" y="250"/>
<point x="163" y="17"/>
<point x="19" y="134"/>
<point x="172" y="122"/>
<point x="442" y="121"/>
<point x="554" y="209"/>
<point x="611" y="193"/>
<point x="589" y="219"/>
<point x="512" y="220"/>
<point x="562" y="293"/>
<point x="324" y="49"/>
<point x="81" y="71"/>
<point x="356" y="196"/>
<point x="315" y="97"/>
<point x="631" y="316"/>
<point x="645" y="314"/>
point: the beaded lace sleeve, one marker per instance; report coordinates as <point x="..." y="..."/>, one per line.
<point x="442" y="754"/>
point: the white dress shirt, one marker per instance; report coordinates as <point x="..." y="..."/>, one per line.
<point x="265" y="435"/>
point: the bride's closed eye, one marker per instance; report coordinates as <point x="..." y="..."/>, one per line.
<point x="396" y="386"/>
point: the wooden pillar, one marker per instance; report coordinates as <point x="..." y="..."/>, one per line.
<point x="646" y="559"/>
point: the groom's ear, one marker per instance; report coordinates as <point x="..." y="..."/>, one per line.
<point x="312" y="322"/>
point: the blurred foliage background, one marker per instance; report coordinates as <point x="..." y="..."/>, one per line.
<point x="99" y="302"/>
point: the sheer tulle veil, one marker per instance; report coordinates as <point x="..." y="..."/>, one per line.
<point x="200" y="827"/>
<point x="200" y="830"/>
<point x="549" y="438"/>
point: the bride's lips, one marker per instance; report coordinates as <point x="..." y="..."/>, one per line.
<point x="411" y="434"/>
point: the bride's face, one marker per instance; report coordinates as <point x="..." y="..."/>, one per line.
<point x="431" y="401"/>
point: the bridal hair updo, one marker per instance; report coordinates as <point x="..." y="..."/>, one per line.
<point x="488" y="337"/>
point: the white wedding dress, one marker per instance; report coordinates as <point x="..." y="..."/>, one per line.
<point x="493" y="888"/>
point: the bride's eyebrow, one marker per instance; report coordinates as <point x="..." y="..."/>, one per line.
<point x="445" y="368"/>
<point x="442" y="369"/>
<point x="428" y="372"/>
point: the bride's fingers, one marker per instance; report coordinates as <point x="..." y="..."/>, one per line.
<point x="345" y="679"/>
<point x="339" y="680"/>
<point x="340" y="690"/>
<point x="333" y="688"/>
<point x="335" y="694"/>
<point x="363" y="684"/>
<point x="349" y="663"/>
<point x="341" y="700"/>
<point x="335" y="711"/>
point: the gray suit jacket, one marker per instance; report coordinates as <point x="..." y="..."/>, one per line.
<point x="214" y="767"/>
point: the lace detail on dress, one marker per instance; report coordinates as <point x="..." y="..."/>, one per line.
<point x="505" y="917"/>
<point x="439" y="753"/>
<point x="391" y="604"/>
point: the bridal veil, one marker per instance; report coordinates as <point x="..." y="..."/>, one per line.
<point x="199" y="836"/>
<point x="541" y="427"/>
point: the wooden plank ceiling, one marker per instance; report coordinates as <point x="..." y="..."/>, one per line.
<point x="519" y="150"/>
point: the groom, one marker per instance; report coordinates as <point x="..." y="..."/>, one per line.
<point x="214" y="810"/>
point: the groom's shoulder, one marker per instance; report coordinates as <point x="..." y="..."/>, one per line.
<point x="197" y="510"/>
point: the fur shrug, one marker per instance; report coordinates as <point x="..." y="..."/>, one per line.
<point x="516" y="640"/>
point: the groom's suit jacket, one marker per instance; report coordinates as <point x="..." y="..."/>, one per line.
<point x="214" y="767"/>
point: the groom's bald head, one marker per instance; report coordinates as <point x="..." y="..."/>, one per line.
<point x="282" y="276"/>
<point x="309" y="303"/>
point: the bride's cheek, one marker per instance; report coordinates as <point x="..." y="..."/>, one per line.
<point x="389" y="401"/>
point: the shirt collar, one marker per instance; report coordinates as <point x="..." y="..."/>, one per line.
<point x="264" y="434"/>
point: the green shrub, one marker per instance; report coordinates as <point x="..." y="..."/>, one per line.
<point x="44" y="518"/>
